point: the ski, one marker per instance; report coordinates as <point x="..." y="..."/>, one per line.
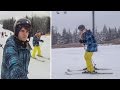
<point x="97" y="72"/>
<point x="44" y="57"/>
<point x="103" y="69"/>
<point x="38" y="59"/>
<point x="75" y="73"/>
<point x="71" y="70"/>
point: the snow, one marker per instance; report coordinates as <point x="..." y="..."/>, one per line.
<point x="37" y="69"/>
<point x="73" y="58"/>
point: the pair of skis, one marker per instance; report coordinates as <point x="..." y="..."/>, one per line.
<point x="83" y="71"/>
<point x="40" y="58"/>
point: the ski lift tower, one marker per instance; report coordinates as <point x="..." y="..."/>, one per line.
<point x="93" y="22"/>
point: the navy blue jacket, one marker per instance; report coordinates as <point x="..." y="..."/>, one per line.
<point x="36" y="41"/>
<point x="90" y="41"/>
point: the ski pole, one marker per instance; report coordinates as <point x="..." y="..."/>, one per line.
<point x="84" y="47"/>
<point x="94" y="64"/>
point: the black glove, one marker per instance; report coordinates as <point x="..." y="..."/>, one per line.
<point x="0" y="45"/>
<point x="41" y="41"/>
<point x="82" y="41"/>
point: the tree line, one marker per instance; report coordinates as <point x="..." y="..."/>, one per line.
<point x="41" y="24"/>
<point x="67" y="37"/>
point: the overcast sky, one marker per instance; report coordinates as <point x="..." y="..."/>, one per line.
<point x="72" y="19"/>
<point x="20" y="14"/>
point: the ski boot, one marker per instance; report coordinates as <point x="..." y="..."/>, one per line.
<point x="88" y="72"/>
<point x="39" y="55"/>
<point x="84" y="68"/>
<point x="34" y="58"/>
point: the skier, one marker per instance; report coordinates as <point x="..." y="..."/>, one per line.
<point x="37" y="49"/>
<point x="2" y="35"/>
<point x="87" y="38"/>
<point x="1" y="45"/>
<point x="16" y="54"/>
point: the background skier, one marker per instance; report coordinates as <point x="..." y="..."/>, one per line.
<point x="37" y="49"/>
<point x="2" y="35"/>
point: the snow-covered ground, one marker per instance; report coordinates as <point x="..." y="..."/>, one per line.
<point x="108" y="56"/>
<point x="37" y="69"/>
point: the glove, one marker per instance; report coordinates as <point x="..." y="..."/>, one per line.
<point x="0" y="45"/>
<point x="41" y="41"/>
<point x="82" y="41"/>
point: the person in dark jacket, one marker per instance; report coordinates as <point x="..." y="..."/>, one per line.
<point x="87" y="38"/>
<point x="16" y="53"/>
<point x="2" y="35"/>
<point x="36" y="45"/>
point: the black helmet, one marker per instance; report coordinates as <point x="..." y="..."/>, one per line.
<point x="21" y="23"/>
<point x="81" y="27"/>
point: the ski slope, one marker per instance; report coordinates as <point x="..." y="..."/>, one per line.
<point x="37" y="69"/>
<point x="108" y="56"/>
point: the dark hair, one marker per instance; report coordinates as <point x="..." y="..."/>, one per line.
<point x="81" y="27"/>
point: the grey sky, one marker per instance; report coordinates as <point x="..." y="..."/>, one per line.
<point x="72" y="19"/>
<point x="20" y="14"/>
